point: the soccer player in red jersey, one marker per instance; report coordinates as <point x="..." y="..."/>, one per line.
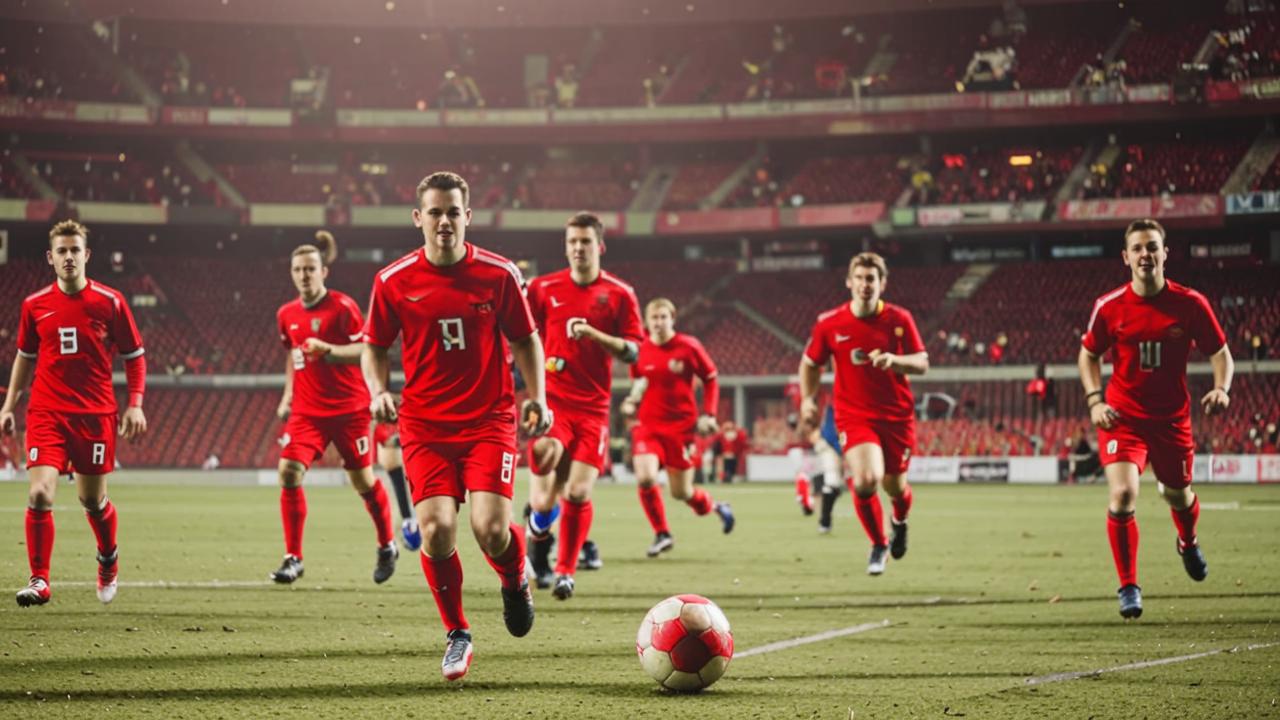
<point x="1149" y="325"/>
<point x="663" y="402"/>
<point x="586" y="318"/>
<point x="67" y="333"/>
<point x="325" y="401"/>
<point x="458" y="307"/>
<point x="386" y="436"/>
<point x="874" y="346"/>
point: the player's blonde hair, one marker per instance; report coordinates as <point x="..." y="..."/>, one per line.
<point x="870" y="260"/>
<point x="660" y="302"/>
<point x="68" y="228"/>
<point x="325" y="246"/>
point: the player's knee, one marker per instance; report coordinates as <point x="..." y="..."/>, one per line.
<point x="94" y="504"/>
<point x="679" y="492"/>
<point x="1179" y="498"/>
<point x="291" y="474"/>
<point x="40" y="497"/>
<point x="1124" y="498"/>
<point x="544" y="456"/>
<point x="493" y="536"/>
<point x="578" y="495"/>
<point x="863" y="484"/>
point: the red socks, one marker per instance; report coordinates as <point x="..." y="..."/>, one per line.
<point x="1122" y="531"/>
<point x="103" y="523"/>
<point x="444" y="577"/>
<point x="804" y="492"/>
<point x="871" y="514"/>
<point x="700" y="502"/>
<point x="293" y="513"/>
<point x="575" y="525"/>
<point x="651" y="501"/>
<point x="379" y="507"/>
<point x="39" y="542"/>
<point x="902" y="504"/>
<point x="1185" y="521"/>
<point x="509" y="565"/>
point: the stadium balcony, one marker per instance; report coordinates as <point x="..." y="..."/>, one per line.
<point x="143" y="177"/>
<point x="840" y="179"/>
<point x="1172" y="167"/>
<point x="54" y="61"/>
<point x="695" y="181"/>
<point x="984" y="175"/>
<point x="12" y="184"/>
<point x="1270" y="180"/>
<point x="558" y="184"/>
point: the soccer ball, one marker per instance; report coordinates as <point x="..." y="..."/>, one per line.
<point x="684" y="643"/>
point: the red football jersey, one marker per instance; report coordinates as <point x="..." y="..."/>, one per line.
<point x="71" y="338"/>
<point x="322" y="388"/>
<point x="863" y="392"/>
<point x="1150" y="339"/>
<point x="580" y="372"/>
<point x="668" y="401"/>
<point x="455" y="320"/>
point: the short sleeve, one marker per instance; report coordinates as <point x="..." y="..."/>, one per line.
<point x="1205" y="329"/>
<point x="537" y="307"/>
<point x="911" y="342"/>
<point x="703" y="367"/>
<point x="124" y="332"/>
<point x="382" y="326"/>
<point x="28" y="338"/>
<point x="1097" y="337"/>
<point x="630" y="326"/>
<point x="284" y="331"/>
<point x="817" y="350"/>
<point x="513" y="312"/>
<point x="353" y="322"/>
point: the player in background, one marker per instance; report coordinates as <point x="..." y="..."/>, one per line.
<point x="325" y="401"/>
<point x="586" y="317"/>
<point x="458" y="306"/>
<point x="1149" y="325"/>
<point x="826" y="445"/>
<point x="663" y="403"/>
<point x="67" y="333"/>
<point x="386" y="436"/>
<point x="874" y="346"/>
<point x="730" y="447"/>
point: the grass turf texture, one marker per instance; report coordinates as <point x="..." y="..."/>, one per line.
<point x="1001" y="583"/>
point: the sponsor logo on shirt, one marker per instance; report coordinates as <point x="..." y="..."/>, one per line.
<point x="483" y="307"/>
<point x="413" y="298"/>
<point x="46" y="315"/>
<point x="556" y="303"/>
<point x="675" y="366"/>
<point x="841" y="338"/>
<point x="1175" y="332"/>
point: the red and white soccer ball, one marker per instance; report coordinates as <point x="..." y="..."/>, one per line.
<point x="684" y="643"/>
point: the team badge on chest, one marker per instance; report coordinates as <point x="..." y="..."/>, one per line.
<point x="315" y="325"/>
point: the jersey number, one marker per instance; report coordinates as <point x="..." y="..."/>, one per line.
<point x="99" y="453"/>
<point x="451" y="331"/>
<point x="1149" y="355"/>
<point x="70" y="344"/>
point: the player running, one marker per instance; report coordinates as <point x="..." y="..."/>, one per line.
<point x="325" y="401"/>
<point x="386" y="436"/>
<point x="1149" y="325"/>
<point x="874" y="346"/>
<point x="586" y="318"/>
<point x="67" y="333"/>
<point x="662" y="400"/>
<point x="458" y="306"/>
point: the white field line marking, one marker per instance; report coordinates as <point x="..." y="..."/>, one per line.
<point x="1220" y="505"/>
<point x="797" y="642"/>
<point x="1059" y="677"/>
<point x="174" y="584"/>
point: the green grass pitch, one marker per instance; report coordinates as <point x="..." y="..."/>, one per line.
<point x="1001" y="584"/>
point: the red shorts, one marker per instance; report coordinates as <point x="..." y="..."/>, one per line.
<point x="585" y="438"/>
<point x="674" y="449"/>
<point x="305" y="439"/>
<point x="1167" y="443"/>
<point x="897" y="440"/>
<point x="442" y="461"/>
<point x="85" y="443"/>
<point x="386" y="435"/>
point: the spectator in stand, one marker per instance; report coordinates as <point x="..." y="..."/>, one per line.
<point x="567" y="86"/>
<point x="730" y="447"/>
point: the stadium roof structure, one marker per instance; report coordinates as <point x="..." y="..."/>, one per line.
<point x="499" y="13"/>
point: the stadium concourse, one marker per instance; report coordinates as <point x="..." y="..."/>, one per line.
<point x="739" y="154"/>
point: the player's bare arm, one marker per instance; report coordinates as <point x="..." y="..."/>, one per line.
<point x="632" y="402"/>
<point x="286" y="397"/>
<point x="913" y="364"/>
<point x="622" y="349"/>
<point x="376" y="366"/>
<point x="1224" y="368"/>
<point x="133" y="424"/>
<point x="810" y="382"/>
<point x="535" y="416"/>
<point x="1100" y="413"/>
<point x="336" y="354"/>
<point x="19" y="378"/>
